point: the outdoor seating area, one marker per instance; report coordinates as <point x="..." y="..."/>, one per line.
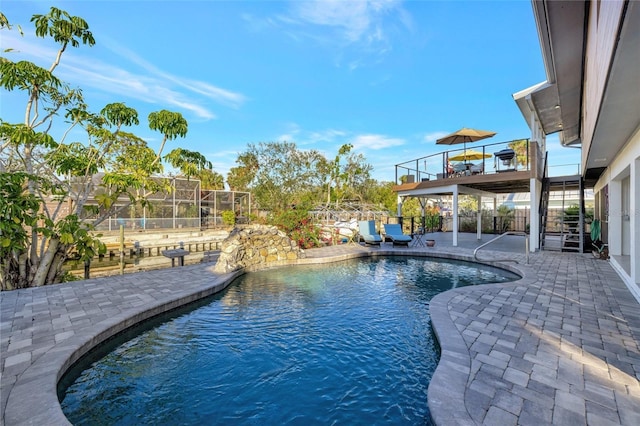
<point x="481" y="160"/>
<point x="463" y="165"/>
<point x="465" y="169"/>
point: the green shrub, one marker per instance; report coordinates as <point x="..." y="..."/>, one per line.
<point x="229" y="217"/>
<point x="298" y="226"/>
<point x="505" y="217"/>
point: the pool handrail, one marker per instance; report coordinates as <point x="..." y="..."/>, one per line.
<point x="526" y="246"/>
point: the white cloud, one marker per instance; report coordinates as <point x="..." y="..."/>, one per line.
<point x="294" y="133"/>
<point x="434" y="136"/>
<point x="351" y="19"/>
<point x="223" y="153"/>
<point x="290" y="135"/>
<point x="329" y="135"/>
<point x="361" y="27"/>
<point x="375" y="142"/>
<point x="152" y="85"/>
<point x="223" y="96"/>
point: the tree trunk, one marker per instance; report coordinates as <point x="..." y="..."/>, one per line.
<point x="23" y="270"/>
<point x="8" y="278"/>
<point x="54" y="270"/>
<point x="45" y="263"/>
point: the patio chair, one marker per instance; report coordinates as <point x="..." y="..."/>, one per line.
<point x="393" y="231"/>
<point x="459" y="169"/>
<point x="477" y="169"/>
<point x="368" y="232"/>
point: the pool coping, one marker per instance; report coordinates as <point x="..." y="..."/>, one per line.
<point x="451" y="377"/>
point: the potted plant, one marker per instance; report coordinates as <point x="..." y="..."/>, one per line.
<point x="600" y="249"/>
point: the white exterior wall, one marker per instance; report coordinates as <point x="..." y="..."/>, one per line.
<point x="635" y="219"/>
<point x="623" y="179"/>
<point x="604" y="20"/>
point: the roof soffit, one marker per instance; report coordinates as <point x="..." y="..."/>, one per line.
<point x="561" y="26"/>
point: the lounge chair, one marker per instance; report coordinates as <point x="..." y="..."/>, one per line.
<point x="393" y="231"/>
<point x="368" y="232"/>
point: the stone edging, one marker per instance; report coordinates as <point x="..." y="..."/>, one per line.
<point x="41" y="388"/>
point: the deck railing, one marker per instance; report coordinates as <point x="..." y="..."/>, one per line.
<point x="436" y="166"/>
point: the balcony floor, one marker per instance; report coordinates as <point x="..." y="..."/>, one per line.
<point x="498" y="183"/>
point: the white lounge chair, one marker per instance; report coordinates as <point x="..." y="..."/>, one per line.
<point x="368" y="232"/>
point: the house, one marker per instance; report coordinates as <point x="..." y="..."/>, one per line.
<point x="591" y="98"/>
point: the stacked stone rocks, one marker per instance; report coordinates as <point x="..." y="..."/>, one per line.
<point x="256" y="246"/>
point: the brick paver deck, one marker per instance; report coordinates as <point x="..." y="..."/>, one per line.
<point x="561" y="346"/>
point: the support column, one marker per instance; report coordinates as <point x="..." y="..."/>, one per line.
<point x="174" y="204"/>
<point x="455" y="216"/>
<point x="634" y="214"/>
<point x="479" y="219"/>
<point x="535" y="190"/>
<point x="198" y="194"/>
<point x="495" y="213"/>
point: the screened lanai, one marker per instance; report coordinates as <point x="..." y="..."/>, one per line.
<point x="184" y="204"/>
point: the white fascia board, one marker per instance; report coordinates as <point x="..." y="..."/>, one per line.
<point x="446" y="190"/>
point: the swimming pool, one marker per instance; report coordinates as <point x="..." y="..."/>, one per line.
<point x="343" y="343"/>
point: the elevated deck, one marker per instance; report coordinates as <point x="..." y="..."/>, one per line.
<point x="432" y="175"/>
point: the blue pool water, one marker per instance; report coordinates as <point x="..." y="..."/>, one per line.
<point x="343" y="343"/>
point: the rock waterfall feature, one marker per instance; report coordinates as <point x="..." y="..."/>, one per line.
<point x="256" y="246"/>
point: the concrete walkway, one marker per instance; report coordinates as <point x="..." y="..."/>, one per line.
<point x="561" y="346"/>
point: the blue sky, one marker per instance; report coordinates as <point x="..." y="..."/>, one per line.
<point x="389" y="77"/>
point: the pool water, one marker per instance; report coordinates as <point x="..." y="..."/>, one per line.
<point x="342" y="343"/>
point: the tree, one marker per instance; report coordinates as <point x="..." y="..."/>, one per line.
<point x="191" y="163"/>
<point x="355" y="175"/>
<point x="210" y="179"/>
<point x="520" y="147"/>
<point x="42" y="176"/>
<point x="380" y="193"/>
<point x="239" y="178"/>
<point x="345" y="175"/>
<point x="411" y="207"/>
<point x="468" y="205"/>
<point x="277" y="173"/>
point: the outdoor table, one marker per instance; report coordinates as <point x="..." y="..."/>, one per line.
<point x="417" y="238"/>
<point x="176" y="254"/>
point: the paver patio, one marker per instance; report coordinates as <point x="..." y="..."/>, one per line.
<point x="560" y="346"/>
